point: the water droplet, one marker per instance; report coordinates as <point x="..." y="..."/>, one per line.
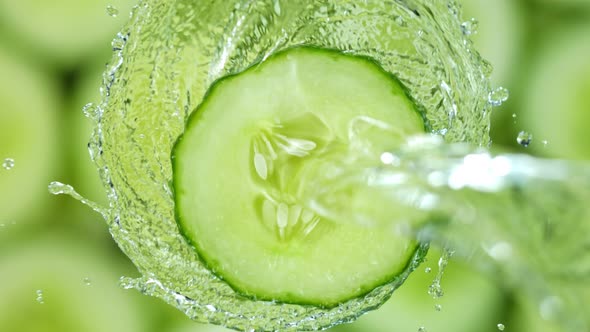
<point x="112" y="11"/>
<point x="514" y="115"/>
<point x="89" y="111"/>
<point x="469" y="27"/>
<point x="8" y="163"/>
<point x="524" y="138"/>
<point x="487" y="67"/>
<point x="545" y="142"/>
<point x="437" y="307"/>
<point x="501" y="327"/>
<point x="87" y="281"/>
<point x="498" y="96"/>
<point x="40" y="298"/>
<point x="119" y="42"/>
<point x="422" y="329"/>
<point x="58" y="188"/>
<point x="435" y="289"/>
<point x="427" y="270"/>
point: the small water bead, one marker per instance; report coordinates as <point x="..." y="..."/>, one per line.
<point x="524" y="138"/>
<point x="422" y="329"/>
<point x="437" y="307"/>
<point x="8" y="163"/>
<point x="119" y="42"/>
<point x="90" y="111"/>
<point x="498" y="96"/>
<point x="469" y="27"/>
<point x="87" y="281"/>
<point x="40" y="298"/>
<point x="501" y="327"/>
<point x="112" y="11"/>
<point x="428" y="270"/>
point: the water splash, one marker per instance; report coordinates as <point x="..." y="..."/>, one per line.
<point x="163" y="64"/>
<point x="58" y="188"/>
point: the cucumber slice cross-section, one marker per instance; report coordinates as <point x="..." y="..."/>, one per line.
<point x="251" y="149"/>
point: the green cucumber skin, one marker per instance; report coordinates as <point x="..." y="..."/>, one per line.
<point x="415" y="255"/>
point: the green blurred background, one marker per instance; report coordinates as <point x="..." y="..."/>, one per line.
<point x="59" y="268"/>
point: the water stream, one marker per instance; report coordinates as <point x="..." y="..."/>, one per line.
<point x="525" y="221"/>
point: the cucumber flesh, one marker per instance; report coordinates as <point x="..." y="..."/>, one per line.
<point x="250" y="150"/>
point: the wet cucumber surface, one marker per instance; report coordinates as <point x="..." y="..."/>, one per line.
<point x="249" y="152"/>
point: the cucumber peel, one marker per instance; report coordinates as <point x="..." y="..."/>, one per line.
<point x="249" y="151"/>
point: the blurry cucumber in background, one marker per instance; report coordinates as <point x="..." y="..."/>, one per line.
<point x="57" y="284"/>
<point x="556" y="101"/>
<point x="498" y="34"/>
<point x="526" y="318"/>
<point x="572" y="4"/>
<point x="62" y="32"/>
<point x="28" y="140"/>
<point x="470" y="303"/>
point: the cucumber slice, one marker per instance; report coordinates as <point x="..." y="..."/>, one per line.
<point x="555" y="106"/>
<point x="267" y="131"/>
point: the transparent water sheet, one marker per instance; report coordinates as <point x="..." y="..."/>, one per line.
<point x="172" y="51"/>
<point x="522" y="220"/>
